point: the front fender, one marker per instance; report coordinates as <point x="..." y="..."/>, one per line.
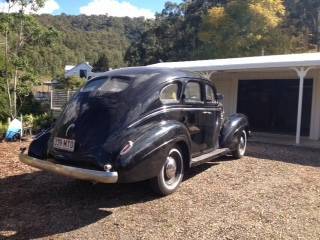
<point x="149" y="151"/>
<point x="231" y="127"/>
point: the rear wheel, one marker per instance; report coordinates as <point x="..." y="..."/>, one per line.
<point x="241" y="146"/>
<point x="171" y="173"/>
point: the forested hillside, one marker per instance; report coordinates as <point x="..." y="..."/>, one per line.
<point x="85" y="38"/>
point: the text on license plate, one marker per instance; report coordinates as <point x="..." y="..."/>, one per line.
<point x="64" y="144"/>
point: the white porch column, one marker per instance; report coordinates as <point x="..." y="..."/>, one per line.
<point x="302" y="73"/>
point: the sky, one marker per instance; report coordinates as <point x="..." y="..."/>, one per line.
<point x="119" y="8"/>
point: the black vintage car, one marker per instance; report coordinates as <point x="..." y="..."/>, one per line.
<point x="137" y="124"/>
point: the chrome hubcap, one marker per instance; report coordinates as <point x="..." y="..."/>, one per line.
<point x="172" y="171"/>
<point x="243" y="143"/>
<point x="170" y="168"/>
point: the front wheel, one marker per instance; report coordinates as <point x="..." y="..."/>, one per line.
<point x="241" y="145"/>
<point x="171" y="173"/>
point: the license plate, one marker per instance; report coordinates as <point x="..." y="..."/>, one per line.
<point x="64" y="144"/>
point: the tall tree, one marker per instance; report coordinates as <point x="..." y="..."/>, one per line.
<point x="102" y="64"/>
<point x="243" y="28"/>
<point x="173" y="35"/>
<point x="304" y="17"/>
<point x="21" y="31"/>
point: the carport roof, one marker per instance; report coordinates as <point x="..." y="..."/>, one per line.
<point x="301" y="63"/>
<point x="261" y="62"/>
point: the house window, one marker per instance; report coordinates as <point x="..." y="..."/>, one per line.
<point x="83" y="73"/>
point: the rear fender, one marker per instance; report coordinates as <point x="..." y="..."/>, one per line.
<point x="149" y="151"/>
<point x="39" y="146"/>
<point x="233" y="126"/>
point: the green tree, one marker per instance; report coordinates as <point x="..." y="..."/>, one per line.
<point x="102" y="64"/>
<point x="70" y="83"/>
<point x="146" y="50"/>
<point x="173" y="36"/>
<point x="4" y="109"/>
<point x="21" y="31"/>
<point x="304" y="22"/>
<point x="244" y="28"/>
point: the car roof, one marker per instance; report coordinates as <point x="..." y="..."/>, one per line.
<point x="153" y="78"/>
<point x="147" y="73"/>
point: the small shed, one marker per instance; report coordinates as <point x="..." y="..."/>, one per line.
<point x="82" y="70"/>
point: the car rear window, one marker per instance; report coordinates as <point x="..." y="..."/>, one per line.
<point x="108" y="85"/>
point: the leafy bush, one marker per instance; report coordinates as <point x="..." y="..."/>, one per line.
<point x="28" y="120"/>
<point x="70" y="83"/>
<point x="30" y="106"/>
<point x="3" y="130"/>
<point x="38" y="122"/>
<point x="41" y="122"/>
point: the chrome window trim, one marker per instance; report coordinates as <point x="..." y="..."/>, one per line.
<point x="171" y="109"/>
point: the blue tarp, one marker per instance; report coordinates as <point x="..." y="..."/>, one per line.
<point x="14" y="130"/>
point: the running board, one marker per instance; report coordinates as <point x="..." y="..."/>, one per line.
<point x="209" y="156"/>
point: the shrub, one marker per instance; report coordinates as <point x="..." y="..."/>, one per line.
<point x="41" y="122"/>
<point x="3" y="130"/>
<point x="38" y="122"/>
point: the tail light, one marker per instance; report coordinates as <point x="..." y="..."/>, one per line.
<point x="126" y="148"/>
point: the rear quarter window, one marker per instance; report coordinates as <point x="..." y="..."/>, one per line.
<point x="169" y="94"/>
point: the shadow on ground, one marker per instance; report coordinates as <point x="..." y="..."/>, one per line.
<point x="41" y="204"/>
<point x="288" y="154"/>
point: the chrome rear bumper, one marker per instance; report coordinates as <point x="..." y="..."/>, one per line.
<point x="79" y="173"/>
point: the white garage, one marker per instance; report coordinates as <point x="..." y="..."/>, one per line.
<point x="279" y="93"/>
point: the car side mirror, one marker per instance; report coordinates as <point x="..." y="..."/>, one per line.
<point x="220" y="97"/>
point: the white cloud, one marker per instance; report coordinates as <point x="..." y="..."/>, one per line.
<point x="49" y="7"/>
<point x="115" y="8"/>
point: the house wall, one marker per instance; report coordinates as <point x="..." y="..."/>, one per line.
<point x="76" y="70"/>
<point x="315" y="115"/>
<point x="227" y="84"/>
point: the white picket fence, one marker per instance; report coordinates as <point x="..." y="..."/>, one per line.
<point x="59" y="98"/>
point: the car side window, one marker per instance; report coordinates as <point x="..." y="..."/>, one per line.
<point x="210" y="97"/>
<point x="169" y="94"/>
<point x="192" y="92"/>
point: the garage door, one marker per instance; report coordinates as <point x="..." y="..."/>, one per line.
<point x="271" y="105"/>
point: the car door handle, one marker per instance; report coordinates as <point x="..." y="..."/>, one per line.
<point x="207" y="113"/>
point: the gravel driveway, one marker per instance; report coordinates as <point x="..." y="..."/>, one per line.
<point x="273" y="193"/>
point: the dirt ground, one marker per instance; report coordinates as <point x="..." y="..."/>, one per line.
<point x="274" y="193"/>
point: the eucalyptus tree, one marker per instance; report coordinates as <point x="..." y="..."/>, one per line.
<point x="21" y="31"/>
<point x="304" y="17"/>
<point x="244" y="28"/>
